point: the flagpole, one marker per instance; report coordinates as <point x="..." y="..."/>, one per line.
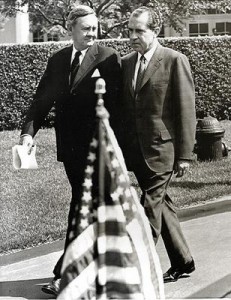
<point x="101" y="113"/>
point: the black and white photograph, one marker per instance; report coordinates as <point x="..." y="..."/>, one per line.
<point x="115" y="130"/>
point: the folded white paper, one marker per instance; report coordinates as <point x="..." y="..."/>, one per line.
<point x="96" y="73"/>
<point x="22" y="159"/>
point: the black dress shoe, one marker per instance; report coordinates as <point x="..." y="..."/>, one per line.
<point x="52" y="287"/>
<point x="174" y="273"/>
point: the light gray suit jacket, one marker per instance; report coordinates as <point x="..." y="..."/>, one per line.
<point x="162" y="114"/>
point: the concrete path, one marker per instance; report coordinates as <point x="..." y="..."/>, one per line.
<point x="208" y="232"/>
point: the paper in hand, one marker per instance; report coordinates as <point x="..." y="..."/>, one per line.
<point x="22" y="159"/>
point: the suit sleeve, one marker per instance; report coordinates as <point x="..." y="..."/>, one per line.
<point x="184" y="95"/>
<point x="42" y="103"/>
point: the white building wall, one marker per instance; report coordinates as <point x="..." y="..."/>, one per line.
<point x="22" y="27"/>
<point x="8" y="32"/>
<point x="198" y="19"/>
<point x="16" y="30"/>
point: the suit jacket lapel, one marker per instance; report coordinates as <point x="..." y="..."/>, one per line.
<point x="88" y="62"/>
<point x="66" y="63"/>
<point x="132" y="64"/>
<point x="153" y="64"/>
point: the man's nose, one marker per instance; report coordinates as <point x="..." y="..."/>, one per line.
<point x="133" y="35"/>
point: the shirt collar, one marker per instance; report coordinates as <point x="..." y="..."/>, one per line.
<point x="74" y="50"/>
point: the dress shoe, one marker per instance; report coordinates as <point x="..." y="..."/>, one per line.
<point x="52" y="287"/>
<point x="174" y="273"/>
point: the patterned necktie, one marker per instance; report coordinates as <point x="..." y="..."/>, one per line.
<point x="140" y="73"/>
<point x="74" y="67"/>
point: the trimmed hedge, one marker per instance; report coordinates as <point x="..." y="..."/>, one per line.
<point x="21" y="67"/>
<point x="210" y="60"/>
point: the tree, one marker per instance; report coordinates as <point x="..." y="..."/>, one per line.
<point x="51" y="15"/>
<point x="176" y="11"/>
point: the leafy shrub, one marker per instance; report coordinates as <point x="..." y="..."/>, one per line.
<point x="210" y="60"/>
<point x="21" y="67"/>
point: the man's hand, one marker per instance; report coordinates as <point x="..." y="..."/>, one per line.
<point x="181" y="167"/>
<point x="27" y="141"/>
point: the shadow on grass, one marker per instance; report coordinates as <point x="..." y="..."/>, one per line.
<point x="197" y="185"/>
<point x="28" y="289"/>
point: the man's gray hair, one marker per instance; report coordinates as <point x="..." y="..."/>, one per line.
<point x="77" y="12"/>
<point x="155" y="16"/>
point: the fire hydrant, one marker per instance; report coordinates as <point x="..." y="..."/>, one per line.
<point x="209" y="133"/>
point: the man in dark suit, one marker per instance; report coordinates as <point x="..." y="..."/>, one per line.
<point x="69" y="84"/>
<point x="159" y="129"/>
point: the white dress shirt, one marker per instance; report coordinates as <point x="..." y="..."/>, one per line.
<point x="148" y="55"/>
<point x="81" y="57"/>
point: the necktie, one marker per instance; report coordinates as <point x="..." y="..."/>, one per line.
<point x="140" y="73"/>
<point x="74" y="67"/>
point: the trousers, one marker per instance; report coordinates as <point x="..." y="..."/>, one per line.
<point x="160" y="210"/>
<point x="74" y="167"/>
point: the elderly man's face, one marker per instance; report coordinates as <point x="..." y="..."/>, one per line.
<point x="141" y="37"/>
<point x="84" y="32"/>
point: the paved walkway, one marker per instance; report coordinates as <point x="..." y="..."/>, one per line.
<point x="208" y="232"/>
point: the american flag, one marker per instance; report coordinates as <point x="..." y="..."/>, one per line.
<point x="111" y="254"/>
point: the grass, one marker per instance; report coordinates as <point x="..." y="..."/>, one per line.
<point x="35" y="203"/>
<point x="205" y="180"/>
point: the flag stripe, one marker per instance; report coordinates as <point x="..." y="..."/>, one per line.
<point x="137" y="238"/>
<point x="80" y="246"/>
<point x="78" y="286"/>
<point x="121" y="287"/>
<point x="113" y="258"/>
<point x="156" y="271"/>
<point x="115" y="293"/>
<point x="115" y="243"/>
<point x="113" y="228"/>
<point x="123" y="296"/>
<point x="111" y="213"/>
<point x="127" y="275"/>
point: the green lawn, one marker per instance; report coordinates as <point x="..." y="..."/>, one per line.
<point x="35" y="203"/>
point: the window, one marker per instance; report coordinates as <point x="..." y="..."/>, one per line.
<point x="52" y="37"/>
<point x="211" y="11"/>
<point x="38" y="36"/>
<point x="215" y="11"/>
<point x="198" y="29"/>
<point x="223" y="28"/>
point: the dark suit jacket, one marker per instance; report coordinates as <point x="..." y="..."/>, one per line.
<point x="161" y="118"/>
<point x="75" y="109"/>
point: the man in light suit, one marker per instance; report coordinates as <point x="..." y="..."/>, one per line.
<point x="69" y="84"/>
<point x="159" y="129"/>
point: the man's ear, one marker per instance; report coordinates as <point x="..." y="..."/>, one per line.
<point x="69" y="32"/>
<point x="69" y="29"/>
<point x="157" y="31"/>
